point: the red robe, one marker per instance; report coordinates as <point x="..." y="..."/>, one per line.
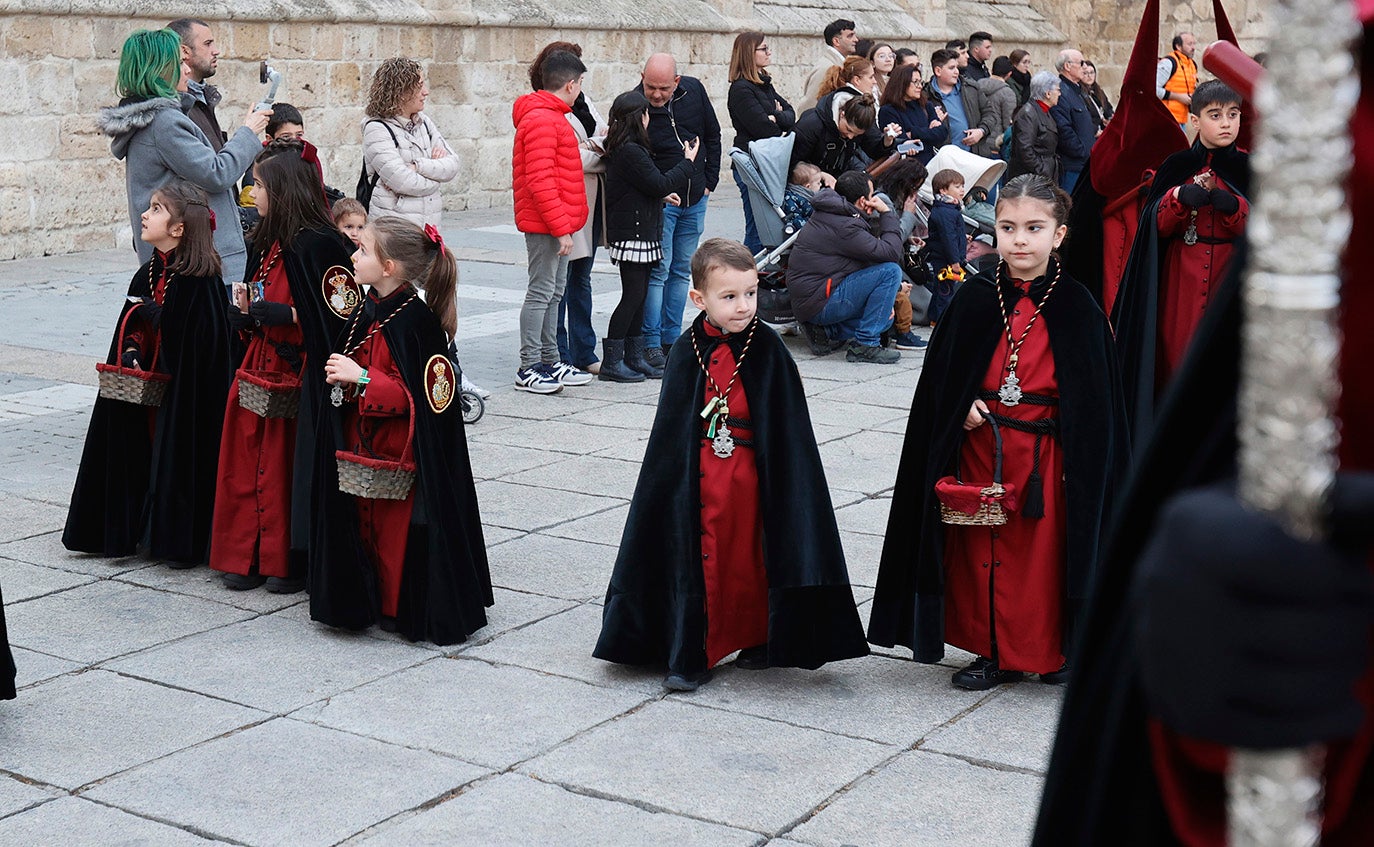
<point x="1193" y="272"/>
<point x="252" y="525"/>
<point x="731" y="528"/>
<point x="377" y="424"/>
<point x="1008" y="583"/>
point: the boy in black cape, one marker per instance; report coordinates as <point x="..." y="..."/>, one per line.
<point x="7" y="670"/>
<point x="731" y="542"/>
<point x="1195" y="209"/>
<point x="135" y="486"/>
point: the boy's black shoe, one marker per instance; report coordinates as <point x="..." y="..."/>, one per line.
<point x="386" y="623"/>
<point x="284" y="585"/>
<point x="1059" y="677"/>
<point x="984" y="674"/>
<point x="676" y="681"/>
<point x="241" y="582"/>
<point x="753" y="658"/>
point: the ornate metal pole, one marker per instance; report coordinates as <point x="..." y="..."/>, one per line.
<point x="1297" y="231"/>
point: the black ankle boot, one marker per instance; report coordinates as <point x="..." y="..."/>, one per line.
<point x="613" y="367"/>
<point x="635" y="358"/>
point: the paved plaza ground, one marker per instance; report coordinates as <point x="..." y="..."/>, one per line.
<point x="158" y="708"/>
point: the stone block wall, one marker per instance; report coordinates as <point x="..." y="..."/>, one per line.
<point x="61" y="191"/>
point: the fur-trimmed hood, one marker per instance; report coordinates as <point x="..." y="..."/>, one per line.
<point x="123" y="121"/>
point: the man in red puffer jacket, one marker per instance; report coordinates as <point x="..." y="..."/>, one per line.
<point x="550" y="205"/>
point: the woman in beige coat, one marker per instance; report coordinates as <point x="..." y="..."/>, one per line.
<point x="403" y="147"/>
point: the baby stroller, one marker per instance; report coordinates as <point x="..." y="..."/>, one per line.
<point x="469" y="401"/>
<point x="764" y="170"/>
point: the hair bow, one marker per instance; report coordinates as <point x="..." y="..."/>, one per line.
<point x="309" y="153"/>
<point x="434" y="237"/>
<point x="212" y="218"/>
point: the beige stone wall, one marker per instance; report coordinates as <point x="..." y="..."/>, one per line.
<point x="60" y="190"/>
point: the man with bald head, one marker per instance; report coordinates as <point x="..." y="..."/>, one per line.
<point x="1077" y="130"/>
<point x="679" y="111"/>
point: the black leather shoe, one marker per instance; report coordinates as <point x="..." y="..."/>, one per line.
<point x="241" y="582"/>
<point x="753" y="658"/>
<point x="676" y="681"/>
<point x="1059" y="677"/>
<point x="283" y="585"/>
<point x="984" y="674"/>
<point x="386" y="623"/>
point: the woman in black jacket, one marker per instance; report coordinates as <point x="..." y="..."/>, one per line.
<point x="922" y="119"/>
<point x="756" y="109"/>
<point x="1034" y="134"/>
<point x="845" y="139"/>
<point x="635" y="193"/>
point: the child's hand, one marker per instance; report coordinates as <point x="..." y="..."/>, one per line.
<point x="977" y="415"/>
<point x="341" y="369"/>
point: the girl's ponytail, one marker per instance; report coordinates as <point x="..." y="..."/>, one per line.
<point x="441" y="289"/>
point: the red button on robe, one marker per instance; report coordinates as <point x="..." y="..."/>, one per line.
<point x="731" y="528"/>
<point x="253" y="498"/>
<point x="1009" y="581"/>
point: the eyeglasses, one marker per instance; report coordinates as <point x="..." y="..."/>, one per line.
<point x="763" y="48"/>
<point x="1066" y="64"/>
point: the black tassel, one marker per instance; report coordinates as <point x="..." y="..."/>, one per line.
<point x="1034" y="505"/>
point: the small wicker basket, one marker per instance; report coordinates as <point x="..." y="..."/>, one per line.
<point x="375" y="478"/>
<point x="990" y="511"/>
<point x="131" y="385"/>
<point x="269" y="394"/>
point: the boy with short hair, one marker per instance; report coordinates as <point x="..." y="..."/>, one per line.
<point x="550" y="205"/>
<point x="731" y="542"/>
<point x="350" y="217"/>
<point x="947" y="246"/>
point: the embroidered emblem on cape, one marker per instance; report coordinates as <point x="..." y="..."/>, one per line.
<point x="341" y="293"/>
<point x="439" y="383"/>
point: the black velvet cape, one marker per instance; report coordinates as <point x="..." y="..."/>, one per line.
<point x="655" y="611"/>
<point x="1136" y="311"/>
<point x="7" y="671"/>
<point x="308" y="261"/>
<point x="446" y="582"/>
<point x="1101" y="786"/>
<point x="908" y="608"/>
<point x="131" y="488"/>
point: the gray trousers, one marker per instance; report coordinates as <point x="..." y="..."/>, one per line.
<point x="539" y="314"/>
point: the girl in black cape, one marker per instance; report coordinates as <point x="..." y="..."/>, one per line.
<point x="1010" y="594"/>
<point x="147" y="474"/>
<point x="417" y="563"/>
<point x="7" y="671"/>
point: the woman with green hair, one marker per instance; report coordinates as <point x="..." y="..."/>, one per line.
<point x="157" y="141"/>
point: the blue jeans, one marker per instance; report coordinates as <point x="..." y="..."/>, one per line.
<point x="751" y="230"/>
<point x="670" y="280"/>
<point x="861" y="306"/>
<point x="1068" y="179"/>
<point x="576" y="338"/>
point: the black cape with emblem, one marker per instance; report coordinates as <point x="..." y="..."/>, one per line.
<point x="7" y="671"/>
<point x="655" y="611"/>
<point x="1136" y="311"/>
<point x="908" y="607"/>
<point x="132" y="488"/>
<point x="1101" y="773"/>
<point x="446" y="582"/>
<point x="315" y="262"/>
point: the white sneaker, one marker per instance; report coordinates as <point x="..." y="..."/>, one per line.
<point x="469" y="385"/>
<point x="566" y="374"/>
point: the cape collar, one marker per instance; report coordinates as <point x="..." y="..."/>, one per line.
<point x="707" y="339"/>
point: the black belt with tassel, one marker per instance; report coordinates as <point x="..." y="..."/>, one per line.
<point x="1033" y="499"/>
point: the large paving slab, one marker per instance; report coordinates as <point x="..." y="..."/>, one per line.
<point x="47" y="550"/>
<point x="1015" y="728"/>
<point x="719" y="766"/>
<point x="930" y="800"/>
<point x="23" y="581"/>
<point x="513" y="810"/>
<point x="16" y="795"/>
<point x="75" y="822"/>
<point x="285" y="783"/>
<point x="22" y="518"/>
<point x="467" y="708"/>
<point x="531" y="507"/>
<point x="80" y="728"/>
<point x="559" y="567"/>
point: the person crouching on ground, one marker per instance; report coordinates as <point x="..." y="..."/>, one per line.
<point x="376" y="556"/>
<point x="731" y="542"/>
<point x="1020" y="390"/>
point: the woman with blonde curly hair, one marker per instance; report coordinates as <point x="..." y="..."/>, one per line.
<point x="403" y="148"/>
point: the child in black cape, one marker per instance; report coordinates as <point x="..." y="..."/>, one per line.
<point x="147" y="473"/>
<point x="1020" y="379"/>
<point x="7" y="670"/>
<point x="302" y="290"/>
<point x="731" y="542"/>
<point x="411" y="558"/>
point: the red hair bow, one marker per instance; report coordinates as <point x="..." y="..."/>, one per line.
<point x="433" y="235"/>
<point x="309" y="153"/>
<point x="212" y="218"/>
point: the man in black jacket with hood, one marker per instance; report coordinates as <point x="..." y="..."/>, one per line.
<point x="679" y="111"/>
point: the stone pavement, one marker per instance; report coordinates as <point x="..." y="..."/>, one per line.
<point x="158" y="708"/>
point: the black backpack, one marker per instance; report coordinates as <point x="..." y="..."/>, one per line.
<point x="366" y="183"/>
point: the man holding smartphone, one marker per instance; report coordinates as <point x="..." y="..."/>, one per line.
<point x="972" y="124"/>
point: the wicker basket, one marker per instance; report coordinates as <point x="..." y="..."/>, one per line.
<point x="269" y="394"/>
<point x="990" y="511"/>
<point x="131" y="385"/>
<point x="376" y="478"/>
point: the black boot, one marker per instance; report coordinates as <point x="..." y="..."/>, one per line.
<point x="983" y="674"/>
<point x="613" y="368"/>
<point x="634" y="357"/>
